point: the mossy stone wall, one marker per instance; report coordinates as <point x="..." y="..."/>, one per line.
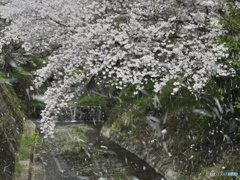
<point x="11" y="128"/>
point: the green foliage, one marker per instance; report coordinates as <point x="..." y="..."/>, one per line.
<point x="20" y="73"/>
<point x="11" y="65"/>
<point x="127" y="93"/>
<point x="40" y="174"/>
<point x="91" y="100"/>
<point x="85" y="171"/>
<point x="230" y="22"/>
<point x="42" y="61"/>
<point x="78" y="154"/>
<point x="37" y="103"/>
<point x="231" y="39"/>
<point x="182" y="123"/>
<point x="118" y="178"/>
<point x="175" y="104"/>
<point x="24" y="72"/>
<point x="13" y="100"/>
<point x="35" y="62"/>
<point x="231" y="163"/>
<point x="76" y="144"/>
<point x="79" y="132"/>
<point x="237" y="105"/>
<point x="18" y="169"/>
<point x="143" y="101"/>
<point x="77" y="72"/>
<point x="26" y="143"/>
<point x="62" y="141"/>
<point x="142" y="98"/>
<point x="2" y="75"/>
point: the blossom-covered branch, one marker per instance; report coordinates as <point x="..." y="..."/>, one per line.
<point x="120" y="42"/>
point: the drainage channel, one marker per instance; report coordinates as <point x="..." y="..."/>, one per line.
<point x="100" y="159"/>
<point x="139" y="168"/>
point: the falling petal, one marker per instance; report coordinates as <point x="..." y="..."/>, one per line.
<point x="13" y="64"/>
<point x="57" y="162"/>
<point x="88" y="154"/>
<point x="165" y="117"/>
<point x="135" y="178"/>
<point x="144" y="92"/>
<point x="203" y="112"/>
<point x="104" y="147"/>
<point x="82" y="177"/>
<point x="231" y="107"/>
<point x="218" y="105"/>
<point x="217" y="113"/>
<point x="126" y="160"/>
<point x="153" y="118"/>
<point x="165" y="147"/>
<point x="164" y="131"/>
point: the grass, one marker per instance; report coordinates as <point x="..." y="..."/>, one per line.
<point x="62" y="141"/>
<point x="18" y="169"/>
<point x="40" y="174"/>
<point x="85" y="171"/>
<point x="118" y="178"/>
<point x="76" y="144"/>
<point x="26" y="144"/>
<point x="96" y="155"/>
<point x="231" y="163"/>
<point x="78" y="131"/>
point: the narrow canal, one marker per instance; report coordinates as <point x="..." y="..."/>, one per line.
<point x="78" y="152"/>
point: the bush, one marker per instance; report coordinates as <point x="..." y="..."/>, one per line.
<point x="91" y="100"/>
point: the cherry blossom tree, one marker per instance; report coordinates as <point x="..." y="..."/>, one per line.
<point x="117" y="43"/>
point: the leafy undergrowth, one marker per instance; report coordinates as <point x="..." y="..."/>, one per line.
<point x="27" y="143"/>
<point x="2" y="75"/>
<point x="37" y="103"/>
<point x="194" y="133"/>
<point x="18" y="169"/>
<point x="91" y="100"/>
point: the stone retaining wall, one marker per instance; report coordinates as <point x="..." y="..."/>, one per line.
<point x="11" y="127"/>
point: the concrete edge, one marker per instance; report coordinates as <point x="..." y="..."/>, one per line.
<point x="159" y="166"/>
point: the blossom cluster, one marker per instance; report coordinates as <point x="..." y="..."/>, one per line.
<point x="120" y="42"/>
